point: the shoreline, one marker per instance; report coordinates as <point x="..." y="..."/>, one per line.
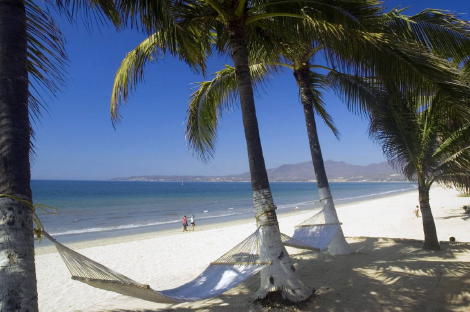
<point x="243" y="181"/>
<point x="126" y="210"/>
<point x="213" y="223"/>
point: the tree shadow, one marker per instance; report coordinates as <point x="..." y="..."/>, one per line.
<point x="457" y="214"/>
<point x="383" y="275"/>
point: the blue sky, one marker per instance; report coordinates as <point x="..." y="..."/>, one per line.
<point x="75" y="138"/>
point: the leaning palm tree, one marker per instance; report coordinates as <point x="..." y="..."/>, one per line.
<point x="213" y="96"/>
<point x="391" y="60"/>
<point x="234" y="27"/>
<point x="426" y="136"/>
<point x="243" y="28"/>
<point x="31" y="62"/>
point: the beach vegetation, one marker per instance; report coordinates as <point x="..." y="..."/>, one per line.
<point x="426" y="137"/>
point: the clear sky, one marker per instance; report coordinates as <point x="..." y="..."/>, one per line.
<point x="75" y="138"/>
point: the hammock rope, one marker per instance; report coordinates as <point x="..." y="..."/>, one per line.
<point x="232" y="268"/>
<point x="314" y="233"/>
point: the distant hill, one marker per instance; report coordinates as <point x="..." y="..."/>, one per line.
<point x="337" y="171"/>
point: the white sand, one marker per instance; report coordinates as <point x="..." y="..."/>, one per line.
<point x="168" y="259"/>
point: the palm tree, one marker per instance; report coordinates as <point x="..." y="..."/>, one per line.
<point x="16" y="230"/>
<point x="426" y="136"/>
<point x="245" y="29"/>
<point x="228" y="25"/>
<point x="31" y="61"/>
<point x="391" y="60"/>
<point x="234" y="27"/>
<point x="208" y="101"/>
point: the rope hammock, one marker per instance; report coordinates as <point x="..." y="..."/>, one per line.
<point x="313" y="233"/>
<point x="231" y="269"/>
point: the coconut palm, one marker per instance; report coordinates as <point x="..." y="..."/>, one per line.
<point x="235" y="27"/>
<point x="16" y="232"/>
<point x="392" y="60"/>
<point x="244" y="29"/>
<point x="213" y="96"/>
<point x="426" y="136"/>
<point x="31" y="62"/>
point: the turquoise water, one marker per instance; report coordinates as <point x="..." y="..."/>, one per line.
<point x="92" y="209"/>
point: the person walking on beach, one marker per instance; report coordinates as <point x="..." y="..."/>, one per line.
<point x="185" y="223"/>
<point x="193" y="223"/>
<point x="417" y="211"/>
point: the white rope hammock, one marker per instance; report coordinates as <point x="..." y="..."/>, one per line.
<point x="234" y="267"/>
<point x="314" y="233"/>
<point x="231" y="269"/>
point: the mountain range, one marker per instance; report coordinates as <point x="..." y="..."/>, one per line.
<point x="337" y="171"/>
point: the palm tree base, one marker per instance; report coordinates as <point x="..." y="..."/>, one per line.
<point x="283" y="296"/>
<point x="339" y="245"/>
<point x="280" y="276"/>
<point x="432" y="245"/>
<point x="17" y="271"/>
<point x="276" y="299"/>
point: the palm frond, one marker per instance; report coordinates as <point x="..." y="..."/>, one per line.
<point x="427" y="134"/>
<point x="403" y="64"/>
<point x="46" y="56"/>
<point x="89" y="10"/>
<point x="454" y="145"/>
<point x="393" y="123"/>
<point x="208" y="102"/>
<point x="459" y="180"/>
<point x="376" y="51"/>
<point x="176" y="40"/>
<point x="317" y="83"/>
<point x="440" y="31"/>
<point x="320" y="110"/>
<point x="358" y="92"/>
<point x="455" y="170"/>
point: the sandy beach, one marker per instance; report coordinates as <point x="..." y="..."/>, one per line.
<point x="389" y="271"/>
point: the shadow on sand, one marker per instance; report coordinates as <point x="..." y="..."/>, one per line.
<point x="383" y="275"/>
<point x="457" y="214"/>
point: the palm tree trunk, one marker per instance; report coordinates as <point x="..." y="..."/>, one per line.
<point x="338" y="245"/>
<point x="17" y="271"/>
<point x="429" y="228"/>
<point x="280" y="275"/>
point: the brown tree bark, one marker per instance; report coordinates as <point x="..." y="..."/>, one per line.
<point x="431" y="241"/>
<point x="17" y="271"/>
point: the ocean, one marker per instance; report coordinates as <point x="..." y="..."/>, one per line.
<point x="99" y="209"/>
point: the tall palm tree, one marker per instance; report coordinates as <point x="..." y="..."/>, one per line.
<point x="31" y="61"/>
<point x="376" y="52"/>
<point x="235" y="27"/>
<point x="17" y="272"/>
<point x="230" y="26"/>
<point x="426" y="136"/>
<point x="242" y="28"/>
